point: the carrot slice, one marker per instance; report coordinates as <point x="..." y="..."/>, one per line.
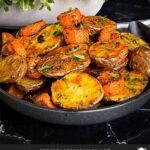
<point x="32" y="29"/>
<point x="6" y="37"/>
<point x="70" y="18"/>
<point x="76" y="35"/>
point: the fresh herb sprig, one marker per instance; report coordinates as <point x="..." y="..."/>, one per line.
<point x="25" y="5"/>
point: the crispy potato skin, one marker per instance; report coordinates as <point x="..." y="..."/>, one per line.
<point x="123" y="86"/>
<point x="70" y="18"/>
<point x="76" y="35"/>
<point x="110" y="54"/>
<point x="12" y="68"/>
<point x="32" y="71"/>
<point x="14" y="47"/>
<point x="6" y="37"/>
<point x="76" y="91"/>
<point x="132" y="41"/>
<point x="14" y="91"/>
<point x="25" y="41"/>
<point x="139" y="60"/>
<point x="94" y="24"/>
<point x="46" y="40"/>
<point x="63" y="60"/>
<point x="44" y="99"/>
<point x="32" y="29"/>
<point x="27" y="84"/>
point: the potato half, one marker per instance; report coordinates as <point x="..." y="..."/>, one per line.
<point x="76" y="91"/>
<point x="132" y="41"/>
<point x="12" y="68"/>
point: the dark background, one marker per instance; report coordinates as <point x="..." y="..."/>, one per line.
<point x="134" y="128"/>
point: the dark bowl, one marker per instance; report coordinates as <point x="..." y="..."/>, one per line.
<point x="79" y="117"/>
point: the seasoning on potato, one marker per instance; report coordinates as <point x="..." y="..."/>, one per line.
<point x="109" y="54"/>
<point x="63" y="60"/>
<point x="132" y="41"/>
<point x="12" y="68"/>
<point x="27" y="84"/>
<point x="76" y="91"/>
<point x="46" y="40"/>
<point x="95" y="23"/>
<point x="139" y="60"/>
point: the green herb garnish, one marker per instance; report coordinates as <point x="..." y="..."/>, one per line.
<point x="75" y="48"/>
<point x="44" y="68"/>
<point x="47" y="33"/>
<point x="81" y="26"/>
<point x="79" y="57"/>
<point x="114" y="75"/>
<point x="130" y="79"/>
<point x="101" y="19"/>
<point x="56" y="32"/>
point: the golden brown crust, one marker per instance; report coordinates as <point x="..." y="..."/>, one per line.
<point x="95" y="23"/>
<point x="46" y="40"/>
<point x="12" y="68"/>
<point x="27" y="84"/>
<point x="73" y="92"/>
<point x="139" y="60"/>
<point x="64" y="60"/>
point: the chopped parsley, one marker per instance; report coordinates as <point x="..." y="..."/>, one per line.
<point x="79" y="57"/>
<point x="75" y="48"/>
<point x="47" y="33"/>
<point x="101" y="19"/>
<point x="45" y="68"/>
<point x="56" y="32"/>
<point x="114" y="75"/>
<point x="81" y="26"/>
<point x="130" y="79"/>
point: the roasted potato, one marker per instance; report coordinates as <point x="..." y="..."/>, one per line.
<point x="32" y="29"/>
<point x="132" y="41"/>
<point x="27" y="84"/>
<point x="14" y="91"/>
<point x="63" y="60"/>
<point x="12" y="68"/>
<point x="94" y="24"/>
<point x="139" y="60"/>
<point x="76" y="91"/>
<point x="121" y="86"/>
<point x="108" y="54"/>
<point x="31" y="65"/>
<point x="6" y="37"/>
<point x="44" y="99"/>
<point x="25" y="41"/>
<point x="15" y="46"/>
<point x="76" y="36"/>
<point x="46" y="40"/>
<point x="70" y="18"/>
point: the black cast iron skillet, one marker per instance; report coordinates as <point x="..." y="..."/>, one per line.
<point x="79" y="117"/>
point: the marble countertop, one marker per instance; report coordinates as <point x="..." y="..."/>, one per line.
<point x="132" y="129"/>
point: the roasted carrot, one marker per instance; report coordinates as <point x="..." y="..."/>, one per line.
<point x="6" y="37"/>
<point x="76" y="35"/>
<point x="25" y="41"/>
<point x="32" y="72"/>
<point x="105" y="35"/>
<point x="112" y="82"/>
<point x="70" y="18"/>
<point x="14" y="47"/>
<point x="32" y="29"/>
<point x="44" y="100"/>
<point x="14" y="91"/>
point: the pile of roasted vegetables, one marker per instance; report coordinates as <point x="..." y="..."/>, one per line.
<point x="77" y="63"/>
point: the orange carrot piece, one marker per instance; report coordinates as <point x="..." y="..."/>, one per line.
<point x="6" y="37"/>
<point x="14" y="47"/>
<point x="70" y="18"/>
<point x="44" y="100"/>
<point x="76" y="35"/>
<point x="32" y="29"/>
<point x="14" y="91"/>
<point x="32" y="72"/>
